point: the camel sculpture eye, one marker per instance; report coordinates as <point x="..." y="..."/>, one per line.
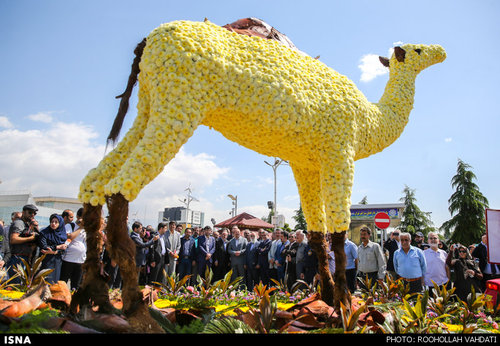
<point x="418" y="50"/>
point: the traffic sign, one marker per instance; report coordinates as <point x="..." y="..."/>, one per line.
<point x="382" y="220"/>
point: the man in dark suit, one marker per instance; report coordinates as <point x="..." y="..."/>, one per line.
<point x="157" y="256"/>
<point x="489" y="270"/>
<point x="237" y="249"/>
<point x="221" y="263"/>
<point x="262" y="257"/>
<point x="392" y="245"/>
<point x="186" y="255"/>
<point x="251" y="260"/>
<point x="140" y="245"/>
<point x="205" y="251"/>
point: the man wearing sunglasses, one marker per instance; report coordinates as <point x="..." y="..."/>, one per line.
<point x="22" y="235"/>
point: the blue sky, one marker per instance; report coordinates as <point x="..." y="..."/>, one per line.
<point x="63" y="63"/>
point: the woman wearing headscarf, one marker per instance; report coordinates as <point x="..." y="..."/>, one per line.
<point x="52" y="243"/>
<point x="467" y="272"/>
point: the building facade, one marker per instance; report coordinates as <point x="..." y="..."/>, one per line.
<point x="364" y="215"/>
<point x="181" y="215"/>
<point x="14" y="201"/>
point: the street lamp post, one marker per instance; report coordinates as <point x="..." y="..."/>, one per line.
<point x="275" y="166"/>
<point x="235" y="203"/>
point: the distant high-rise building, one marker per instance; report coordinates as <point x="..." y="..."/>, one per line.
<point x="179" y="215"/>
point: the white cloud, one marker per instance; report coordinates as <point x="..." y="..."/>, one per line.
<point x="448" y="139"/>
<point x="371" y="67"/>
<point x="54" y="161"/>
<point x="42" y="117"/>
<point x="5" y="123"/>
<point x="168" y="189"/>
<point x="50" y="161"/>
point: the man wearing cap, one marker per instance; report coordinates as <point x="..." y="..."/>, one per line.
<point x="419" y="241"/>
<point x="23" y="234"/>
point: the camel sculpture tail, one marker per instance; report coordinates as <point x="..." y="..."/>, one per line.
<point x="125" y="97"/>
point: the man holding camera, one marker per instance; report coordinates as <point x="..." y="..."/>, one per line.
<point x="23" y="234"/>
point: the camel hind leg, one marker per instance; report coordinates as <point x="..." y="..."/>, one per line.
<point x="94" y="289"/>
<point x="163" y="137"/>
<point x="92" y="187"/>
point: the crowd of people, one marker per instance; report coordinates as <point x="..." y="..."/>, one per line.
<point x="62" y="244"/>
<point x="423" y="264"/>
<point x="253" y="255"/>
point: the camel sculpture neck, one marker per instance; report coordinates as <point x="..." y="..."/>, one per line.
<point x="389" y="116"/>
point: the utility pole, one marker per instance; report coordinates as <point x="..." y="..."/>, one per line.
<point x="187" y="201"/>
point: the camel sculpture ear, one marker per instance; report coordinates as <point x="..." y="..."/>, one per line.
<point x="400" y="54"/>
<point x="384" y="61"/>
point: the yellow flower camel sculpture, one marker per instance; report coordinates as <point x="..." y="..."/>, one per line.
<point x="264" y="96"/>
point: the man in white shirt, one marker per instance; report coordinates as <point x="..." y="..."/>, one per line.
<point x="76" y="251"/>
<point x="437" y="270"/>
<point x="237" y="252"/>
<point x="172" y="240"/>
<point x="273" y="268"/>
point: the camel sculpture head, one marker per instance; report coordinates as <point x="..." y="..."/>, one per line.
<point x="413" y="58"/>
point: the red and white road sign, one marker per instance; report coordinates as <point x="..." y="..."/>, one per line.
<point x="382" y="220"/>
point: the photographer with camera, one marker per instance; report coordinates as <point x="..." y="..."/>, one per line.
<point x="23" y="237"/>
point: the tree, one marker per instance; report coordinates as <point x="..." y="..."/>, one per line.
<point x="413" y="219"/>
<point x="300" y="219"/>
<point x="269" y="217"/>
<point x="364" y="200"/>
<point x="467" y="207"/>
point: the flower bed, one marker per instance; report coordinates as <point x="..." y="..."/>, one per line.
<point x="221" y="307"/>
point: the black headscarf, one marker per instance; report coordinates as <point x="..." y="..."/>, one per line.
<point x="52" y="238"/>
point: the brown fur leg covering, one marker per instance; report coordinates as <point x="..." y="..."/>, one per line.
<point x="93" y="290"/>
<point x="341" y="291"/>
<point x="122" y="250"/>
<point x="320" y="247"/>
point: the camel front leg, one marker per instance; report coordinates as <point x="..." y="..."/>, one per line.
<point x="337" y="180"/>
<point x="308" y="183"/>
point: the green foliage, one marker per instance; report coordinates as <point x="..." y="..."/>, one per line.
<point x="350" y="318"/>
<point x="300" y="219"/>
<point x="414" y="220"/>
<point x="174" y="284"/>
<point x="467" y="206"/>
<point x="33" y="323"/>
<point x="6" y="283"/>
<point x="384" y="290"/>
<point x="227" y="325"/>
<point x="31" y="276"/>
